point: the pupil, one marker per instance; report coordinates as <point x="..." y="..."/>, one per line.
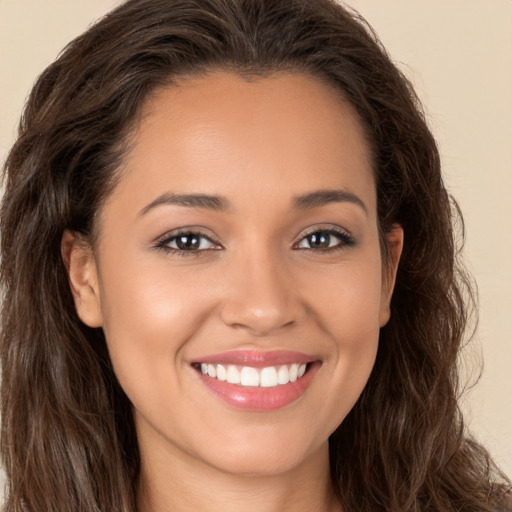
<point x="187" y="242"/>
<point x="320" y="240"/>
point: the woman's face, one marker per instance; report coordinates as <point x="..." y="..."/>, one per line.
<point x="238" y="274"/>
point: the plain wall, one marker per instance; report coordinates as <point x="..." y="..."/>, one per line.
<point x="458" y="53"/>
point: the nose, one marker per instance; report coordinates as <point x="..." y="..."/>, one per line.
<point x="261" y="296"/>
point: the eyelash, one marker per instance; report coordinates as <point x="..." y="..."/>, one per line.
<point x="163" y="244"/>
<point x="345" y="241"/>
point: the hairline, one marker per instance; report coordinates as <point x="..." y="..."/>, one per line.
<point x="250" y="73"/>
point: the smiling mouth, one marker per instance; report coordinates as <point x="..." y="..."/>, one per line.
<point x="252" y="380"/>
<point x="249" y="376"/>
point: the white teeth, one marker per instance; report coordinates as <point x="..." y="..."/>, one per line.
<point x="221" y="372"/>
<point x="233" y="375"/>
<point x="211" y="371"/>
<point x="267" y="377"/>
<point x="249" y="376"/>
<point x="283" y="375"/>
<point x="294" y="371"/>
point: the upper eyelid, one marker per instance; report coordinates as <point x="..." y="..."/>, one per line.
<point x="323" y="227"/>
<point x="161" y="241"/>
<point x="188" y="230"/>
<point x="347" y="239"/>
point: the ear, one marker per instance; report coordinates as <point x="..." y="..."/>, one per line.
<point x="80" y="264"/>
<point x="394" y="245"/>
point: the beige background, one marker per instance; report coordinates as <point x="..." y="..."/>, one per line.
<point x="459" y="55"/>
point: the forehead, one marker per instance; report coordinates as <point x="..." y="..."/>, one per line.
<point x="223" y="134"/>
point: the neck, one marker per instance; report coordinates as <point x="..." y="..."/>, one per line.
<point x="184" y="484"/>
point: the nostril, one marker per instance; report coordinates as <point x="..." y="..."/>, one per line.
<point x="257" y="320"/>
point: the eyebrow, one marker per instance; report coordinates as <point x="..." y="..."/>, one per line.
<point x="203" y="201"/>
<point x="221" y="204"/>
<point x="324" y="197"/>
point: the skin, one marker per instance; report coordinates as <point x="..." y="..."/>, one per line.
<point x="259" y="285"/>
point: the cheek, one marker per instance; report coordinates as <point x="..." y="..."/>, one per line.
<point x="348" y="311"/>
<point x="148" y="317"/>
<point x="140" y="297"/>
<point x="347" y="301"/>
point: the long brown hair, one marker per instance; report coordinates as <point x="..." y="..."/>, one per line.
<point x="68" y="438"/>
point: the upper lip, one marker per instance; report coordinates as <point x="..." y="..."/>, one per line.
<point x="257" y="359"/>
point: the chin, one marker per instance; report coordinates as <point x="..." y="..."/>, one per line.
<point x="267" y="455"/>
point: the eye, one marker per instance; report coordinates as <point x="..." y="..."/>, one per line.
<point x="325" y="240"/>
<point x="187" y="241"/>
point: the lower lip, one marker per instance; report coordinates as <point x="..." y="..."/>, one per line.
<point x="260" y="398"/>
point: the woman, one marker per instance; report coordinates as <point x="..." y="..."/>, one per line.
<point x="230" y="274"/>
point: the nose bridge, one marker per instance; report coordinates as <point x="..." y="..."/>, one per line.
<point x="261" y="296"/>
